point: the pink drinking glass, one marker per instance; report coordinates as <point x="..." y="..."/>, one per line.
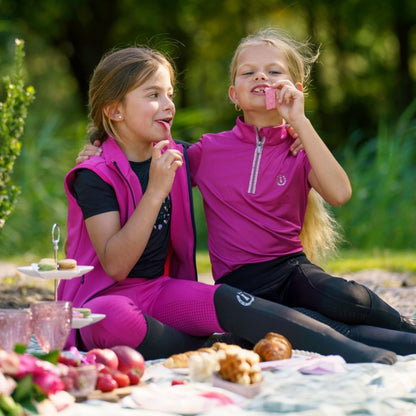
<point x="52" y="321"/>
<point x="15" y="328"/>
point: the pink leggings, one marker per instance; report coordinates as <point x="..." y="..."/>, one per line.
<point x="185" y="305"/>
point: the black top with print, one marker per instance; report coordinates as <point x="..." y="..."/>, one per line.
<point x="95" y="196"/>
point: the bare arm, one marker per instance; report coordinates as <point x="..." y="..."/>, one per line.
<point x="327" y="176"/>
<point x="119" y="248"/>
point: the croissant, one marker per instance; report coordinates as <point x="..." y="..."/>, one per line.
<point x="181" y="360"/>
<point x="273" y="347"/>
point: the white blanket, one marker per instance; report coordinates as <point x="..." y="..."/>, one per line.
<point x="351" y="389"/>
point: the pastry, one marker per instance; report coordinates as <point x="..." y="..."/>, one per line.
<point x="273" y="347"/>
<point x="67" y="264"/>
<point x="239" y="366"/>
<point x="181" y="360"/>
<point x="46" y="264"/>
<point x="83" y="312"/>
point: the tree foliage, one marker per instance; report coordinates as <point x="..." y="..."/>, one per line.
<point x="365" y="78"/>
<point x="13" y="113"/>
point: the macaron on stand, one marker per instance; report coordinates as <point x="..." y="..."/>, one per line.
<point x="56" y="275"/>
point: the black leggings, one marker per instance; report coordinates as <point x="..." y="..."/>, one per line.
<point x="400" y="342"/>
<point x="294" y="281"/>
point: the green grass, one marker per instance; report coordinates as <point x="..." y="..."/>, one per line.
<point x="350" y="261"/>
<point x="353" y="261"/>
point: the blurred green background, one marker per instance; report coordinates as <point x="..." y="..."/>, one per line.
<point x="361" y="99"/>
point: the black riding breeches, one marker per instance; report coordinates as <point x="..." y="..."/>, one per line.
<point x="294" y="281"/>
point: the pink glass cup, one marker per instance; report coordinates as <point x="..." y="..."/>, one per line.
<point x="52" y="321"/>
<point x="15" y="328"/>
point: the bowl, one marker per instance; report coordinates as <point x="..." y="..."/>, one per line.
<point x="81" y="381"/>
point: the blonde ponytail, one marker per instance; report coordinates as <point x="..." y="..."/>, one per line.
<point x="320" y="233"/>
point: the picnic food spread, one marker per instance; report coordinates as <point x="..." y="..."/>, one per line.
<point x="231" y="362"/>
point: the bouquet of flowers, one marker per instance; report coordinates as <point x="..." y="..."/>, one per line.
<point x="31" y="384"/>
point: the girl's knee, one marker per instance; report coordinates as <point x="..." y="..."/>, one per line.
<point x="124" y="323"/>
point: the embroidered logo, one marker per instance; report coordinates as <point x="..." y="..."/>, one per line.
<point x="281" y="180"/>
<point x="245" y="299"/>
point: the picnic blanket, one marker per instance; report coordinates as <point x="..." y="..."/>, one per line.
<point x="339" y="389"/>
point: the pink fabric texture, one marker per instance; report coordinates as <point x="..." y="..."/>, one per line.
<point x="181" y="304"/>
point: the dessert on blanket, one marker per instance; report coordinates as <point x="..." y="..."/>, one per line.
<point x="239" y="365"/>
<point x="46" y="264"/>
<point x="273" y="347"/>
<point x="181" y="360"/>
<point x="67" y="264"/>
<point x="231" y="362"/>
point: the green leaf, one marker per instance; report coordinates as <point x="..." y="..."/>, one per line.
<point x="24" y="389"/>
<point x="52" y="356"/>
<point x="20" y="348"/>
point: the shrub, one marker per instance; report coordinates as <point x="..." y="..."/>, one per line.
<point x="381" y="213"/>
<point x="13" y="112"/>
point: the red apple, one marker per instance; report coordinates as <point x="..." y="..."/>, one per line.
<point x="129" y="360"/>
<point x="104" y="356"/>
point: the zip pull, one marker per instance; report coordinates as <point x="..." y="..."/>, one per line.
<point x="259" y="147"/>
<point x="256" y="164"/>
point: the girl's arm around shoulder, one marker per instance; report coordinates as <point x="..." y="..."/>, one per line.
<point x="327" y="176"/>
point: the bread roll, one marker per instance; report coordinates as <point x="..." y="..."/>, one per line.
<point x="273" y="347"/>
<point x="181" y="360"/>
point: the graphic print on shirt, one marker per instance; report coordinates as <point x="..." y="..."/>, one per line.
<point x="163" y="219"/>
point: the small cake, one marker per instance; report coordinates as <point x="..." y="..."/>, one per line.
<point x="82" y="312"/>
<point x="67" y="264"/>
<point x="273" y="347"/>
<point x="46" y="264"/>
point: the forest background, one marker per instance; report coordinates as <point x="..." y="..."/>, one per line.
<point x="361" y="99"/>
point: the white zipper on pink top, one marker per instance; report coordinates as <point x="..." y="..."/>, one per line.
<point x="256" y="164"/>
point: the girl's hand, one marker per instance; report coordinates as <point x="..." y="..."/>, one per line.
<point x="87" y="151"/>
<point x="290" y="101"/>
<point x="297" y="145"/>
<point x="163" y="169"/>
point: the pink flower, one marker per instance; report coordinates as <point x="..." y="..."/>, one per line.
<point x="62" y="400"/>
<point x="7" y="385"/>
<point x="29" y="364"/>
<point x="49" y="383"/>
<point x="9" y="362"/>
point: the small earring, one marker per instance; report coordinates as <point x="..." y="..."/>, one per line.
<point x="119" y="117"/>
<point x="237" y="107"/>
